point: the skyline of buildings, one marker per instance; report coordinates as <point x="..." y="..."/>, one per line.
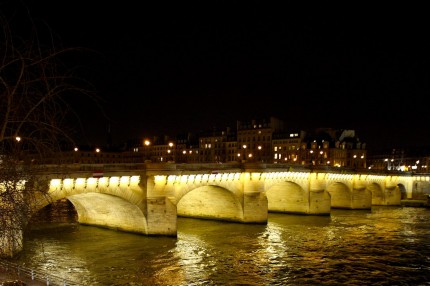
<point x="260" y="141"/>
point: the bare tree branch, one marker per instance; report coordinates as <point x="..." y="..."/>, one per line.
<point x="37" y="89"/>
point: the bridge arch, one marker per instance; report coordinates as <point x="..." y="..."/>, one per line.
<point x="210" y="202"/>
<point x="286" y="197"/>
<point x="378" y="197"/>
<point x="341" y="195"/>
<point x="403" y="192"/>
<point x="108" y="211"/>
<point x="111" y="202"/>
<point x="290" y="197"/>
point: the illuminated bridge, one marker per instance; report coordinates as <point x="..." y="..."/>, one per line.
<point x="148" y="198"/>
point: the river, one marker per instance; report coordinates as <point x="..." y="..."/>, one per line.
<point x="381" y="246"/>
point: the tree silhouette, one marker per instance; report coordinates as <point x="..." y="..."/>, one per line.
<point x="37" y="90"/>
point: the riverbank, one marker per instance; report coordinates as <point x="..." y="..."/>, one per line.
<point x="11" y="277"/>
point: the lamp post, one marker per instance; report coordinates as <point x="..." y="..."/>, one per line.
<point x="354" y="161"/>
<point x="171" y="153"/>
<point x="259" y="153"/>
<point x="146" y="153"/>
<point x="18" y="147"/>
<point x="244" y="153"/>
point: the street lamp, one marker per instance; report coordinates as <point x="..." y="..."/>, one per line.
<point x="146" y="155"/>
<point x="259" y="152"/>
<point x="171" y="156"/>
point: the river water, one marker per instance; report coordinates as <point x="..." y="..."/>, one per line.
<point x="381" y="246"/>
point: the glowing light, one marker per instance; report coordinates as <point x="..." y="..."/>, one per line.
<point x="124" y="180"/>
<point x="162" y="179"/>
<point x="67" y="183"/>
<point x="113" y="180"/>
<point x="55" y="183"/>
<point x="91" y="181"/>
<point x="103" y="181"/>
<point x="80" y="182"/>
<point x="170" y="179"/>
<point x="135" y="179"/>
<point x="255" y="176"/>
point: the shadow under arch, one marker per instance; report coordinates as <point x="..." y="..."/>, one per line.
<point x="61" y="210"/>
<point x="403" y="193"/>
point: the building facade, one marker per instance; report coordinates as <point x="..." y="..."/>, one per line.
<point x="259" y="141"/>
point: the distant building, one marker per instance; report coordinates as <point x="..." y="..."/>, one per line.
<point x="254" y="139"/>
<point x="262" y="140"/>
<point x="286" y="146"/>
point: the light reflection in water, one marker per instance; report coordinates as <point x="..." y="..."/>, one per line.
<point x="384" y="246"/>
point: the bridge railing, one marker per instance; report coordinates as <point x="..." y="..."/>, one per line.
<point x="213" y="167"/>
<point x="21" y="272"/>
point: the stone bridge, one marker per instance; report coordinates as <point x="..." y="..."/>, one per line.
<point x="148" y="198"/>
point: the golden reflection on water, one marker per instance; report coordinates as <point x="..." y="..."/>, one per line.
<point x="378" y="247"/>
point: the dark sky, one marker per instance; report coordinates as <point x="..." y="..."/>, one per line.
<point x="173" y="67"/>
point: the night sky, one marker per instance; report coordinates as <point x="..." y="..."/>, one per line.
<point x="172" y="67"/>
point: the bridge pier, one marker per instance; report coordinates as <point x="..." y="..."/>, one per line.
<point x="361" y="199"/>
<point x="255" y="204"/>
<point x="319" y="203"/>
<point x="255" y="207"/>
<point x="161" y="216"/>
